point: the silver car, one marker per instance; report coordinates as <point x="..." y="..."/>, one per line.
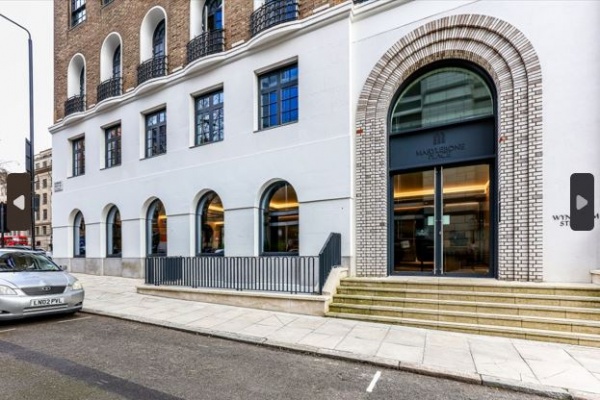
<point x="31" y="284"/>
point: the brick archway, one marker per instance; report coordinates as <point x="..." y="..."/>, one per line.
<point x="509" y="58"/>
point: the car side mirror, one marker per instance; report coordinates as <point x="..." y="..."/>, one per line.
<point x="62" y="267"/>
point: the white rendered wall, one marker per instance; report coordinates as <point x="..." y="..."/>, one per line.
<point x="565" y="36"/>
<point x="313" y="155"/>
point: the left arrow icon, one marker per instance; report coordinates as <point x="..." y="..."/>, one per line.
<point x="19" y="202"/>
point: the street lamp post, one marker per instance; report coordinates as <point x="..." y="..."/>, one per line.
<point x="31" y="156"/>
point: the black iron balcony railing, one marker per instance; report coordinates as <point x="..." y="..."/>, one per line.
<point x="152" y="68"/>
<point x="109" y="88"/>
<point x="273" y="13"/>
<point x="74" y="104"/>
<point x="206" y="43"/>
<point x="360" y="1"/>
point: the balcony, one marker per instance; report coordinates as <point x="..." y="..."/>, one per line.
<point x="360" y="1"/>
<point x="152" y="68"/>
<point x="207" y="43"/>
<point x="74" y="104"/>
<point x="109" y="88"/>
<point x="273" y="13"/>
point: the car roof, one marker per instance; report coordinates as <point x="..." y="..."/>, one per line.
<point x="16" y="250"/>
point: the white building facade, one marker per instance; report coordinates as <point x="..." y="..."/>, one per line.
<point x="437" y="137"/>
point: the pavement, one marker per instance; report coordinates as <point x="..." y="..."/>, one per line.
<point x="548" y="369"/>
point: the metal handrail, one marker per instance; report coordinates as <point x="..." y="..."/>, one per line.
<point x="109" y="88"/>
<point x="152" y="68"/>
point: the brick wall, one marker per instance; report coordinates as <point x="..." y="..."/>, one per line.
<point x="125" y="17"/>
<point x="509" y="58"/>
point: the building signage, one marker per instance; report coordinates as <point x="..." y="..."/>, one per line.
<point x="437" y="147"/>
<point x="58" y="186"/>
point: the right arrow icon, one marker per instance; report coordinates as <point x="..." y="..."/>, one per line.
<point x="581" y="202"/>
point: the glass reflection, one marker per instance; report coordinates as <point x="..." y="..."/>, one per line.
<point x="212" y="224"/>
<point x="157" y="229"/>
<point x="280" y="219"/>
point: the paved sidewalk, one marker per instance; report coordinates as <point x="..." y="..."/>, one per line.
<point x="561" y="371"/>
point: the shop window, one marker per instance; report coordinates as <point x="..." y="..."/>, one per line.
<point x="280" y="219"/>
<point x="156" y="229"/>
<point x="79" y="236"/>
<point x="113" y="233"/>
<point x="210" y="225"/>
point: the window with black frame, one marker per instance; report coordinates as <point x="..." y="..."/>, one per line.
<point x="79" y="236"/>
<point x="280" y="219"/>
<point x="78" y="13"/>
<point x="213" y="15"/>
<point x="158" y="40"/>
<point x="113" y="146"/>
<point x="156" y="229"/>
<point x="113" y="233"/>
<point x="116" y="64"/>
<point x="156" y="133"/>
<point x="278" y="97"/>
<point x="210" y="219"/>
<point x="78" y="156"/>
<point x="209" y="118"/>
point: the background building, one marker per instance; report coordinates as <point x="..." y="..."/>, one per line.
<point x="426" y="133"/>
<point x="43" y="189"/>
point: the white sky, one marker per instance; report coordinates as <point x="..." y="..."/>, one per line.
<point x="37" y="17"/>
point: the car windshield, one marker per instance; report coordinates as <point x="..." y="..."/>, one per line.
<point x="18" y="262"/>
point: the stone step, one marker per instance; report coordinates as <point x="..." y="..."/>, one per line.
<point x="505" y="331"/>
<point x="588" y="314"/>
<point x="477" y="297"/>
<point x="475" y="285"/>
<point x="516" y="321"/>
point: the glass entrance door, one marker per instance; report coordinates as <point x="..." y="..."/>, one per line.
<point x="442" y="221"/>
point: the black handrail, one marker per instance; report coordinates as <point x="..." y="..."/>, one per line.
<point x="152" y="68"/>
<point x="109" y="88"/>
<point x="210" y="42"/>
<point x="75" y="104"/>
<point x="329" y="257"/>
<point x="273" y="13"/>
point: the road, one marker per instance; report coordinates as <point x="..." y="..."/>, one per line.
<point x="92" y="357"/>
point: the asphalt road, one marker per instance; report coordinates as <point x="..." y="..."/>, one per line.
<point x="91" y="357"/>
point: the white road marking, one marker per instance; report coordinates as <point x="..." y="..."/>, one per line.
<point x="374" y="381"/>
<point x="8" y="330"/>
<point x="74" y="319"/>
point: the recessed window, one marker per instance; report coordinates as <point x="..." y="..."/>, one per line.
<point x="210" y="219"/>
<point x="158" y="40"/>
<point x="156" y="133"/>
<point x="77" y="12"/>
<point x="44" y="231"/>
<point x="112" y="154"/>
<point x="44" y="183"/>
<point x="280" y="219"/>
<point x="278" y="97"/>
<point x="209" y="118"/>
<point x="44" y="214"/>
<point x="79" y="157"/>
<point x="113" y="233"/>
<point x="45" y="198"/>
<point x="116" y="63"/>
<point x="79" y="236"/>
<point x="156" y="229"/>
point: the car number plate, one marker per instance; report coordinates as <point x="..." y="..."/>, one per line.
<point x="47" y="302"/>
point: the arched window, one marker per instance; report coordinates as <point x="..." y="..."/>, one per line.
<point x="82" y="82"/>
<point x="443" y="96"/>
<point x="213" y="15"/>
<point x="116" y="63"/>
<point x="210" y="225"/>
<point x="156" y="229"/>
<point x="113" y="233"/>
<point x="158" y="40"/>
<point x="79" y="235"/>
<point x="280" y="219"/>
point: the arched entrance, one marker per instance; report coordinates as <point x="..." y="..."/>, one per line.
<point x="506" y="56"/>
<point x="442" y="163"/>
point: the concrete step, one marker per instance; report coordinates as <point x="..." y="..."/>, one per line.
<point x="531" y="310"/>
<point x="581" y="339"/>
<point x="473" y="296"/>
<point x="475" y="285"/>
<point x="473" y="318"/>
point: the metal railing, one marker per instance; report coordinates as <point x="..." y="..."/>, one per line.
<point x="360" y="1"/>
<point x="273" y="13"/>
<point x="152" y="68"/>
<point x="206" y="43"/>
<point x="74" y="104"/>
<point x="109" y="88"/>
<point x="292" y="274"/>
